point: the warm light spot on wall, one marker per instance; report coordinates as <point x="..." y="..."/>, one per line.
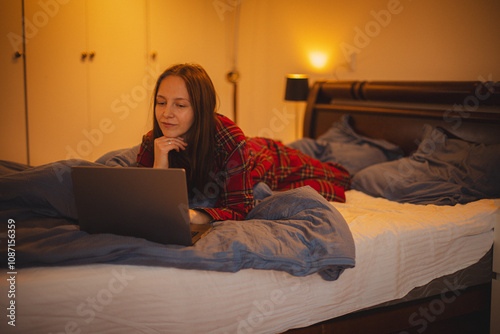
<point x="318" y="59"/>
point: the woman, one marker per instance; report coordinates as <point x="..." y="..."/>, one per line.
<point x="220" y="162"/>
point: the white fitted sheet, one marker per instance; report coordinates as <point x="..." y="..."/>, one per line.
<point x="398" y="247"/>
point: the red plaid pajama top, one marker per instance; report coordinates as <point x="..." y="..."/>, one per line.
<point x="242" y="162"/>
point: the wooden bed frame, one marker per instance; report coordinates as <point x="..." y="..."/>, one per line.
<point x="397" y="111"/>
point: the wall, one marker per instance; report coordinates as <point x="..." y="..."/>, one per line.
<point x="392" y="40"/>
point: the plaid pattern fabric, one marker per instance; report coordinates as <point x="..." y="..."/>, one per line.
<point x="284" y="168"/>
<point x="242" y="162"/>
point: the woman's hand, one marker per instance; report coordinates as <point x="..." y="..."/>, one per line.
<point x="199" y="217"/>
<point x="162" y="146"/>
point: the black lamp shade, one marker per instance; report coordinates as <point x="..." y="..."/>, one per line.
<point x="297" y="87"/>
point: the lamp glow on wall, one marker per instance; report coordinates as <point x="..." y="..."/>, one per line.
<point x="318" y="59"/>
<point x="297" y="90"/>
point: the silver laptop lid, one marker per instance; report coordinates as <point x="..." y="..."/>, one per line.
<point x="140" y="202"/>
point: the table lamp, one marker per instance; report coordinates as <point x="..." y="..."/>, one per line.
<point x="297" y="89"/>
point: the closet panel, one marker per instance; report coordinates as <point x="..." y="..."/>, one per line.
<point x="119" y="82"/>
<point x="195" y="31"/>
<point x="86" y="76"/>
<point x="56" y="78"/>
<point x="12" y="107"/>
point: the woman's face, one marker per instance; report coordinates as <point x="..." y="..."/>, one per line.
<point x="173" y="109"/>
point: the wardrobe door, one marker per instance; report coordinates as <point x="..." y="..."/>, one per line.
<point x="56" y="73"/>
<point x="195" y="31"/>
<point x="12" y="107"/>
<point x="120" y="86"/>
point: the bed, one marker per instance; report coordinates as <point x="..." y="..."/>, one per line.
<point x="421" y="262"/>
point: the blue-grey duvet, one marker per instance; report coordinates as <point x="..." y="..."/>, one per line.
<point x="296" y="231"/>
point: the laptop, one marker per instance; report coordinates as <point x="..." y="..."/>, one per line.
<point x="139" y="202"/>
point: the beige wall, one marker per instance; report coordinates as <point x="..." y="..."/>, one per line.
<point x="393" y="40"/>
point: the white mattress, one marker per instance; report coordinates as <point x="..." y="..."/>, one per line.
<point x="398" y="247"/>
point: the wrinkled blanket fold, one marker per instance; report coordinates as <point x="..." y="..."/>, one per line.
<point x="295" y="231"/>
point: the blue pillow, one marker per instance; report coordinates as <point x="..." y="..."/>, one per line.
<point x="341" y="144"/>
<point x="443" y="171"/>
<point x="125" y="157"/>
<point x="342" y="132"/>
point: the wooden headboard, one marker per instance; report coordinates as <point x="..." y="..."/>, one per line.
<point x="397" y="110"/>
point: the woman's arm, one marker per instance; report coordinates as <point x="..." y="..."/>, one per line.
<point x="234" y="187"/>
<point x="233" y="180"/>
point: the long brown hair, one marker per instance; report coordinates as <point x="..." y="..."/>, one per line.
<point x="198" y="159"/>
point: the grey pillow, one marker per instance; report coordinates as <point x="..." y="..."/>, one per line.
<point x="126" y="157"/>
<point x="341" y="144"/>
<point x="443" y="171"/>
